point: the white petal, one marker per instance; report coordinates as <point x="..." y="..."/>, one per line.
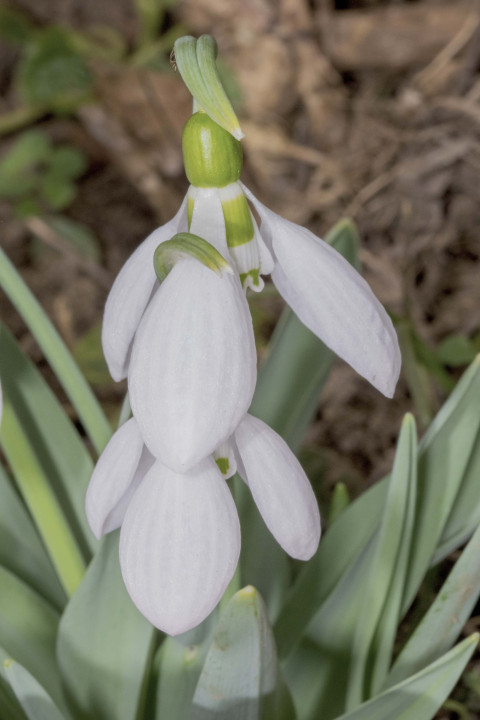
<point x="111" y="483"/>
<point x="193" y="367"/>
<point x="332" y="300"/>
<point x="279" y="487"/>
<point x="207" y="219"/>
<point x="179" y="545"/>
<point x="130" y="294"/>
<point x="266" y="260"/>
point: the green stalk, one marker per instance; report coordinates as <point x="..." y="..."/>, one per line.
<point x="42" y="503"/>
<point x="82" y="398"/>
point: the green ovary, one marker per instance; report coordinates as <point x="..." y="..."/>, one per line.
<point x="212" y="157"/>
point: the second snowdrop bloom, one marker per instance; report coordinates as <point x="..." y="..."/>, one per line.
<point x="193" y="366"/>
<point x="180" y="533"/>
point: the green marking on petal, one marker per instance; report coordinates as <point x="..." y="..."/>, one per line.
<point x="253" y="274"/>
<point x="195" y="60"/>
<point x="212" y="157"/>
<point x="190" y="206"/>
<point x="185" y="245"/>
<point x="238" y="221"/>
<point x="223" y="465"/>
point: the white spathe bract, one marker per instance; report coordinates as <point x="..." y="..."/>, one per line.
<point x="130" y="294"/>
<point x="193" y="366"/>
<point x="118" y="472"/>
<point x="279" y="487"/>
<point x="179" y="545"/>
<point x="332" y="299"/>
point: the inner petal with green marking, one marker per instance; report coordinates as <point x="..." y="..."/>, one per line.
<point x="240" y="232"/>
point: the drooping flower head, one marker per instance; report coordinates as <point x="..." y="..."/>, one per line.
<point x="177" y="324"/>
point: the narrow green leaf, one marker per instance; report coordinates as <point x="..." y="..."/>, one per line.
<point x="34" y="485"/>
<point x="57" y="445"/>
<point x="464" y="517"/>
<point x="382" y="594"/>
<point x="28" y="628"/>
<point x="36" y="703"/>
<point x="10" y="708"/>
<point x="299" y="363"/>
<point x="83" y="400"/>
<point x="445" y="619"/>
<point x="339" y="502"/>
<point x="180" y="661"/>
<point x="240" y="679"/>
<point x="318" y="672"/>
<point x="21" y="550"/>
<point x="104" y="644"/>
<point x="419" y="697"/>
<point x="444" y="455"/>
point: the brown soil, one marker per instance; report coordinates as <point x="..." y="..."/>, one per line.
<point x="366" y="109"/>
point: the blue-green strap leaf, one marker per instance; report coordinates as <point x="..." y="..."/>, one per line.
<point x="61" y="361"/>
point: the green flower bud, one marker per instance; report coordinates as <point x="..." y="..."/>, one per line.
<point x="212" y="157"/>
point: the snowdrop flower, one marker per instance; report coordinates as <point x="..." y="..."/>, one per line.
<point x="180" y="534"/>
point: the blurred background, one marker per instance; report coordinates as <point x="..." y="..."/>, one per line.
<point x="362" y="108"/>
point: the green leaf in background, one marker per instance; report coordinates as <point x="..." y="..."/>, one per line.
<point x="14" y="26"/>
<point x="105" y="645"/>
<point x="60" y="359"/>
<point x="28" y="628"/>
<point x="35" y="702"/>
<point x="79" y="236"/>
<point x="180" y="661"/>
<point x="52" y="74"/>
<point x="240" y="679"/>
<point x="457" y="350"/>
<point x="299" y="364"/>
<point x="445" y="619"/>
<point x="67" y="162"/>
<point x="57" y="191"/>
<point x="58" y="447"/>
<point x="419" y="697"/>
<point x="21" y="550"/>
<point x="381" y="596"/>
<point x="18" y="177"/>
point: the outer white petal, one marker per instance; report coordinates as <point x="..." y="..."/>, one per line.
<point x="179" y="545"/>
<point x="207" y="219"/>
<point x="130" y="294"/>
<point x="279" y="487"/>
<point x="332" y="300"/>
<point x="111" y="483"/>
<point x="193" y="367"/>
